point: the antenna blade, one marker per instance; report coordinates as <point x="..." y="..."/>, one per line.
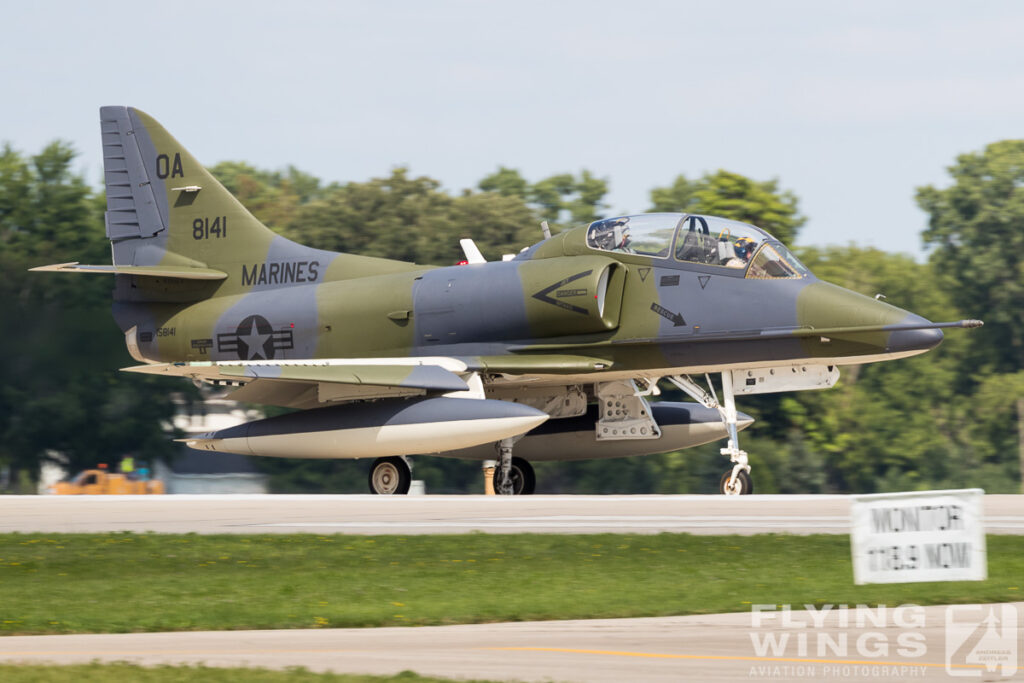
<point x="471" y="251"/>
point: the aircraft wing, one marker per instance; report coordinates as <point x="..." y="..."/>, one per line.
<point x="310" y="383"/>
<point x="306" y="384"/>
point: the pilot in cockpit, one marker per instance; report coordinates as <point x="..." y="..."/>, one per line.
<point x="611" y="235"/>
<point x="743" y="249"/>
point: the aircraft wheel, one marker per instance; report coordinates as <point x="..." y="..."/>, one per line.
<point x="743" y="485"/>
<point x="524" y="481"/>
<point x="390" y="476"/>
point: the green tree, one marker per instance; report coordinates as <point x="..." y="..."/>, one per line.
<point x="564" y="197"/>
<point x="995" y="429"/>
<point x="587" y="204"/>
<point x="561" y="198"/>
<point x="505" y="181"/>
<point x="977" y="228"/>
<point x="679" y="196"/>
<point x="62" y="397"/>
<point x="399" y="217"/>
<point x="412" y="219"/>
<point x="43" y="206"/>
<point x="274" y="197"/>
<point x="731" y="195"/>
<point x="498" y="224"/>
<point x="893" y="424"/>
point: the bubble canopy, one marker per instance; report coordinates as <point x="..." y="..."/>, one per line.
<point x="705" y="240"/>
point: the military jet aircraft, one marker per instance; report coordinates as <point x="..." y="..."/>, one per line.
<point x="551" y="352"/>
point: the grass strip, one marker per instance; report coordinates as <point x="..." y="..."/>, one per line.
<point x="104" y="673"/>
<point x="115" y="583"/>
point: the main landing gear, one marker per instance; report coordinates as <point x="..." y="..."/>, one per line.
<point x="523" y="481"/>
<point x="736" y="481"/>
<point x="512" y="476"/>
<point x="390" y="476"/>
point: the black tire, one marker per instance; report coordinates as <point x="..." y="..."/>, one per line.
<point x="524" y="481"/>
<point x="390" y="476"/>
<point x="743" y="480"/>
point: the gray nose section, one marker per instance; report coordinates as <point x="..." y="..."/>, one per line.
<point x="913" y="340"/>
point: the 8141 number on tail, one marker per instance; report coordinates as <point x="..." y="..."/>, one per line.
<point x="204" y="228"/>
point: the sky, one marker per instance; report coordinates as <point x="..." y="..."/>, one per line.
<point x="851" y="106"/>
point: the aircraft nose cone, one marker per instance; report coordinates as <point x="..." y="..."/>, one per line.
<point x="913" y="340"/>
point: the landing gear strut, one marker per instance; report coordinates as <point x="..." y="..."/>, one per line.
<point x="522" y="481"/>
<point x="512" y="476"/>
<point x="736" y="481"/>
<point x="390" y="476"/>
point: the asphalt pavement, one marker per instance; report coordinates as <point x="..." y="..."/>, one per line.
<point x="368" y="514"/>
<point x="879" y="644"/>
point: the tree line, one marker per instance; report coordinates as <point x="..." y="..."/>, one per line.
<point x="951" y="418"/>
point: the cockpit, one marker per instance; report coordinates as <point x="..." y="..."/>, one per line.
<point x="703" y="240"/>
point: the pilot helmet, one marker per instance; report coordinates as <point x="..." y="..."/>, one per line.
<point x="610" y="234"/>
<point x="744" y="247"/>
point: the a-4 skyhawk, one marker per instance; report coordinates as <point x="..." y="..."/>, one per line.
<point x="551" y="352"/>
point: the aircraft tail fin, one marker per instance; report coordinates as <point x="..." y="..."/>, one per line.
<point x="178" y="235"/>
<point x="165" y="209"/>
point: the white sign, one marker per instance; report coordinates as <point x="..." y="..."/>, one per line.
<point x="919" y="536"/>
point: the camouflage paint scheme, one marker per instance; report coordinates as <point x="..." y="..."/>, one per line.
<point x="199" y="279"/>
<point x="321" y="304"/>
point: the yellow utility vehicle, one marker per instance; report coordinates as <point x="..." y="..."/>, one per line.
<point x="103" y="483"/>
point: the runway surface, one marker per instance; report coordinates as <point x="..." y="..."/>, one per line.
<point x="908" y="643"/>
<point x="366" y="514"/>
<point x="728" y="647"/>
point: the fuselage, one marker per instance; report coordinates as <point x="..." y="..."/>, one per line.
<point x="673" y="311"/>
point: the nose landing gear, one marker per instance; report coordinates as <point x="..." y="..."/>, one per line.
<point x="737" y="481"/>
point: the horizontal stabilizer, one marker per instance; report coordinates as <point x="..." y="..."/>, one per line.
<point x="177" y="272"/>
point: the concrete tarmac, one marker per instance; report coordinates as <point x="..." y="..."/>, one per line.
<point x="367" y="514"/>
<point x="880" y="644"/>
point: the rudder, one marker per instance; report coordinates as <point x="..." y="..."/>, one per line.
<point x="164" y="208"/>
